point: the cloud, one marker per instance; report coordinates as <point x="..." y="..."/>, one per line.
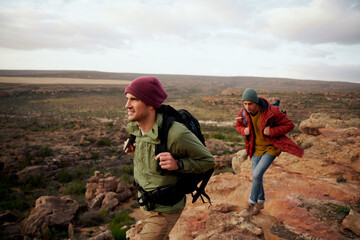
<point x="32" y="29"/>
<point x="188" y="20"/>
<point x="324" y="21"/>
<point x="116" y="24"/>
<point x="313" y="39"/>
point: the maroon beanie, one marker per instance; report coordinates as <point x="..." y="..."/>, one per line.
<point x="147" y="89"/>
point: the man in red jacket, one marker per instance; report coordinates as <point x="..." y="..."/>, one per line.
<point x="264" y="127"/>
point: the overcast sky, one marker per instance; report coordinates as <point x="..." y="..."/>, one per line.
<point x="303" y="39"/>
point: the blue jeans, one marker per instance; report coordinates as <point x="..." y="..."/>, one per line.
<point x="259" y="165"/>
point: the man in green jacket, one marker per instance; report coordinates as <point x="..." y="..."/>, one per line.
<point x="186" y="153"/>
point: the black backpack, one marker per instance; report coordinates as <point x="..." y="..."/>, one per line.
<point x="188" y="182"/>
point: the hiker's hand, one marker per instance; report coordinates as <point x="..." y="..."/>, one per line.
<point x="166" y="161"/>
<point x="247" y="131"/>
<point x="130" y="148"/>
<point x="267" y="131"/>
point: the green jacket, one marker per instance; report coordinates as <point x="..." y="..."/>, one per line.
<point x="182" y="144"/>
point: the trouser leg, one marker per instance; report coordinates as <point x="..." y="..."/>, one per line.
<point x="259" y="166"/>
<point x="157" y="226"/>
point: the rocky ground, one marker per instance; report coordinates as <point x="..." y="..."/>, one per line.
<point x="315" y="197"/>
<point x="63" y="174"/>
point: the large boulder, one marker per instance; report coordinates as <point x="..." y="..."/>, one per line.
<point x="110" y="201"/>
<point x="49" y="211"/>
<point x="352" y="222"/>
<point x="312" y="125"/>
<point x="238" y="159"/>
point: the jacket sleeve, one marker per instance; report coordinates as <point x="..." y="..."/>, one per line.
<point x="239" y="125"/>
<point x="185" y="146"/>
<point x="279" y="123"/>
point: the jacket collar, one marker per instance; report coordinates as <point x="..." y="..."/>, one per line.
<point x="134" y="129"/>
<point x="264" y="104"/>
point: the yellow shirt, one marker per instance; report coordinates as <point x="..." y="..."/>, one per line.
<point x="261" y="145"/>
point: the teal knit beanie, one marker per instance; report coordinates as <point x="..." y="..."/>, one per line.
<point x="250" y="95"/>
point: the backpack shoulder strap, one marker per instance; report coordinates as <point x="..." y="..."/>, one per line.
<point x="169" y="116"/>
<point x="201" y="189"/>
<point x="244" y="117"/>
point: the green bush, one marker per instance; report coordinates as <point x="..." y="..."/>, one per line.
<point x="103" y="213"/>
<point x="95" y="155"/>
<point x="218" y="136"/>
<point x="75" y="189"/>
<point x="45" y="151"/>
<point x="118" y="233"/>
<point x="18" y="204"/>
<point x="343" y="209"/>
<point x="7" y="184"/>
<point x="228" y="134"/>
<point x="91" y="172"/>
<point x="104" y="142"/>
<point x="91" y="218"/>
<point x="80" y="174"/>
<point x="91" y="139"/>
<point x="33" y="182"/>
<point x="111" y="171"/>
<point x="129" y="169"/>
<point x="116" y="224"/>
<point x="7" y="181"/>
<point x="64" y="176"/>
<point x="125" y="177"/>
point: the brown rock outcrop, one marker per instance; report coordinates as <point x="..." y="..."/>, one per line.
<point x="106" y="192"/>
<point x="306" y="198"/>
<point x="49" y="211"/>
<point x="316" y="121"/>
<point x="352" y="222"/>
<point x="238" y="159"/>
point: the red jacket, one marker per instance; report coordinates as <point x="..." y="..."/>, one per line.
<point x="279" y="124"/>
